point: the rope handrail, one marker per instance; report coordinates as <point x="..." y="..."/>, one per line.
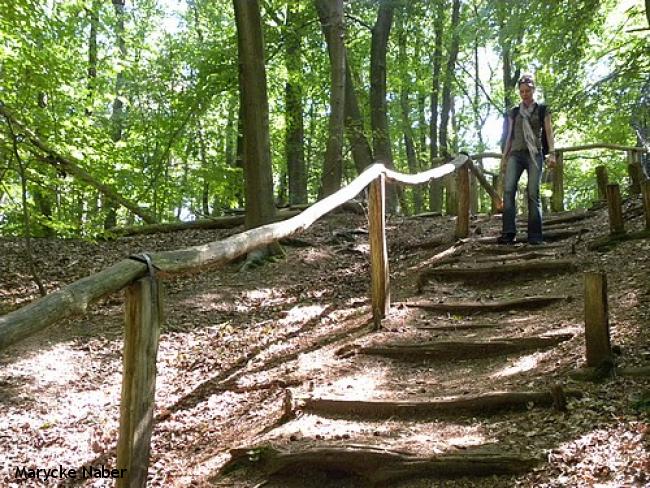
<point x="76" y="297"/>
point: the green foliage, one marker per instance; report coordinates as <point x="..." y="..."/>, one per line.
<point x="179" y="91"/>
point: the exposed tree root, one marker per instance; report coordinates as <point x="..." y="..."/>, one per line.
<point x="496" y="249"/>
<point x="429" y="244"/>
<point x="378" y="466"/>
<point x="509" y="271"/>
<point x="595" y="374"/>
<point x="606" y="243"/>
<point x="484" y="403"/>
<point x="524" y="256"/>
<point x="573" y="216"/>
<point x="459" y="326"/>
<point x="517" y="303"/>
<point x="448" y="350"/>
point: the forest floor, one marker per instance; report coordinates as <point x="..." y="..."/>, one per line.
<point x="235" y="346"/>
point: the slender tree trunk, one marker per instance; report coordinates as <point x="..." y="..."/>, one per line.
<point x="117" y="117"/>
<point x="354" y="124"/>
<point x="255" y="110"/>
<point x="506" y="37"/>
<point x="435" y="189"/>
<point x="378" y="104"/>
<point x="93" y="13"/>
<point x="295" y="131"/>
<point x="449" y="79"/>
<point x="334" y="30"/>
<point x="447" y="101"/>
<point x="409" y="144"/>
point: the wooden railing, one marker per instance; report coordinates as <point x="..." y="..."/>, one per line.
<point x="557" y="174"/>
<point x="140" y="275"/>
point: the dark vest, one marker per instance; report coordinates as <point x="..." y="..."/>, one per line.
<point x="518" y="142"/>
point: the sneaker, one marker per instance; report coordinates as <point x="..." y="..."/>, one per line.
<point x="506" y="239"/>
<point x="536" y="243"/>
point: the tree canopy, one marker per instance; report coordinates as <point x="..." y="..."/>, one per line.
<point x="143" y="96"/>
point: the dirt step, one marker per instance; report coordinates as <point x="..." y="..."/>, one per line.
<point x="377" y="465"/>
<point x="484" y="403"/>
<point x="477" y="274"/>
<point x="448" y="350"/>
<point x="527" y="303"/>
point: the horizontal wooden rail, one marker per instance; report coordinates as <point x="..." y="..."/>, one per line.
<point x="600" y="145"/>
<point x="76" y="297"/>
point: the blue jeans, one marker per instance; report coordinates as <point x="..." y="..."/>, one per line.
<point x="517" y="163"/>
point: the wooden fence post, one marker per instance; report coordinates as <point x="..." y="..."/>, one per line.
<point x="615" y="209"/>
<point x="635" y="173"/>
<point x="475" y="192"/>
<point x="143" y="317"/>
<point x="645" y="187"/>
<point x="497" y="204"/>
<point x="602" y="180"/>
<point x="380" y="279"/>
<point x="462" y="220"/>
<point x="597" y="342"/>
<point x="557" y="200"/>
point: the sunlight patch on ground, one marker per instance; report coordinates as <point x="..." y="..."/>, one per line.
<point x="602" y="457"/>
<point x="361" y="386"/>
<point x="521" y="365"/>
<point x="58" y="365"/>
<point x="314" y="255"/>
<point x="302" y="314"/>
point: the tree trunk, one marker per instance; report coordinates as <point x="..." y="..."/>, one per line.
<point x="504" y="12"/>
<point x="435" y="189"/>
<point x="118" y="107"/>
<point x="93" y="14"/>
<point x="447" y="102"/>
<point x="378" y="106"/>
<point x="255" y="110"/>
<point x="411" y="157"/>
<point x="117" y="116"/>
<point x="295" y="132"/>
<point x="335" y="31"/>
<point x="354" y="125"/>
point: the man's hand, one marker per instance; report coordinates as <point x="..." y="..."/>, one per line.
<point x="550" y="160"/>
<point x="504" y="162"/>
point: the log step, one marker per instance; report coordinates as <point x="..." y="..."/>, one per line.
<point x="446" y="350"/>
<point x="455" y="327"/>
<point x="515" y="256"/>
<point x="503" y="271"/>
<point x="377" y="465"/>
<point x="485" y="403"/>
<point x="527" y="303"/>
<point x="499" y="249"/>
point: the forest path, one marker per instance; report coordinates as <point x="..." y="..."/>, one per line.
<point x="395" y="407"/>
<point x="242" y="352"/>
